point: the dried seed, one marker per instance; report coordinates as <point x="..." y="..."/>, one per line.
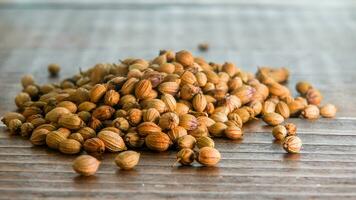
<point x="86" y="165"/>
<point x="127" y="159"/>
<point x="208" y="156"/>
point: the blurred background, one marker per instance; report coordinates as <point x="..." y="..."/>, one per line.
<point x="315" y="39"/>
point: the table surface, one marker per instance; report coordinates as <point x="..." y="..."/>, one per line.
<point x="315" y="39"/>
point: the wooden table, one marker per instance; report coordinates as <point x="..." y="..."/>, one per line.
<point x="315" y="39"/>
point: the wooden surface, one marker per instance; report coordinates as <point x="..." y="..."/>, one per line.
<point x="316" y="40"/>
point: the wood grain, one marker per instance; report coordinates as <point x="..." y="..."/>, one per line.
<point x="315" y="40"/>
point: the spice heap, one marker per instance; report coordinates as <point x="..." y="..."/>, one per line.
<point x="175" y="101"/>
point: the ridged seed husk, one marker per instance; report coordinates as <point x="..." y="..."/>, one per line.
<point x="69" y="146"/>
<point x="86" y="165"/>
<point x="147" y="128"/>
<point x="158" y="141"/>
<point x="38" y="137"/>
<point x="208" y="156"/>
<point x="273" y="119"/>
<point x="94" y="146"/>
<point x="127" y="160"/>
<point x="54" y="138"/>
<point x="113" y="142"/>
<point x="185" y="156"/>
<point x="205" y="141"/>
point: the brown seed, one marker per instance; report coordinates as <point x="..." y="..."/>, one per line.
<point x="134" y="116"/>
<point x="186" y="141"/>
<point x="12" y="115"/>
<point x="234" y="83"/>
<point x="134" y="140"/>
<point x="291" y="129"/>
<point x="54" y="138"/>
<point x="32" y="110"/>
<point x="273" y="119"/>
<point x="127" y="159"/>
<point x="208" y="156"/>
<point x="170" y="102"/>
<point x="129" y="86"/>
<point x="87" y="133"/>
<point x="201" y="79"/>
<point x="69" y="146"/>
<point x="121" y="123"/>
<point x="160" y="60"/>
<point x="147" y="128"/>
<point x="203" y="47"/>
<point x="49" y="127"/>
<point x="313" y="96"/>
<point x="27" y="80"/>
<point x="77" y="136"/>
<point x="311" y="112"/>
<point x="217" y="130"/>
<point x="151" y="115"/>
<point x="111" y="98"/>
<point x="279" y="132"/>
<point x="244" y="93"/>
<point x="185" y="156"/>
<point x="54" y="69"/>
<point x="233" y="132"/>
<point x="86" y="165"/>
<point x="175" y="133"/>
<point x="277" y="89"/>
<point x="166" y="68"/>
<point x="302" y="87"/>
<point x="56" y="113"/>
<point x="38" y="137"/>
<point x="199" y="102"/>
<point x="185" y="58"/>
<point x="230" y="69"/>
<point x="188" y="78"/>
<point x="113" y="129"/>
<point x="32" y="91"/>
<point x="245" y="113"/>
<point x="113" y="142"/>
<point x="189" y="122"/>
<point x="181" y="109"/>
<point x="26" y="129"/>
<point x="69" y="105"/>
<point x="158" y="141"/>
<point x="292" y="144"/>
<point x="21" y="99"/>
<point x="328" y="110"/>
<point x="157" y="104"/>
<point x="283" y="109"/>
<point x="87" y="106"/>
<point x="219" y="116"/>
<point x="168" y="120"/>
<point x="205" y="141"/>
<point x="70" y="121"/>
<point x="295" y="107"/>
<point x="94" y="146"/>
<point x="85" y="116"/>
<point x="143" y="89"/>
<point x="97" y="92"/>
<point x="188" y="91"/>
<point x="171" y="88"/>
<point x="201" y="130"/>
<point x="15" y="126"/>
<point x="103" y="112"/>
<point x="212" y="76"/>
<point x="205" y="121"/>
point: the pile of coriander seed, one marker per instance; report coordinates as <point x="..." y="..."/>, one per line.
<point x="174" y="101"/>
